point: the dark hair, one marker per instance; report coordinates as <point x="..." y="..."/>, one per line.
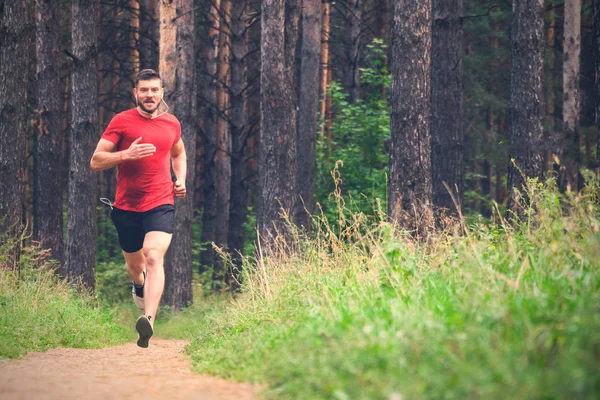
<point x="146" y="75"/>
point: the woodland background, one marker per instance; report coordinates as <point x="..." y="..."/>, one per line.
<point x="271" y="95"/>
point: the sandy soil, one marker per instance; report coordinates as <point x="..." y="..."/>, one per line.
<point x="161" y="371"/>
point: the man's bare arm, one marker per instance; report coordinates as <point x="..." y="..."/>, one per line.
<point x="105" y="157"/>
<point x="179" y="162"/>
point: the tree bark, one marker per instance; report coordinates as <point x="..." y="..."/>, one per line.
<point x="549" y="89"/>
<point x="167" y="63"/>
<point x="149" y="37"/>
<point x="596" y="21"/>
<point x="81" y="220"/>
<point x="326" y="75"/>
<point x="209" y="211"/>
<point x="447" y="137"/>
<point x="569" y="148"/>
<point x="526" y="94"/>
<point x="277" y="164"/>
<point x="16" y="29"/>
<point x="410" y="193"/>
<point x="500" y="165"/>
<point x="239" y="135"/>
<point x="223" y="143"/>
<point x="352" y="44"/>
<point x="48" y="199"/>
<point x="134" y="39"/>
<point x="308" y="109"/>
<point x="178" y="268"/>
<point x="382" y="20"/>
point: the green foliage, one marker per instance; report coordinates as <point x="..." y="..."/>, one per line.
<point x="113" y="286"/>
<point x="506" y="311"/>
<point x="359" y="134"/>
<point x="38" y="312"/>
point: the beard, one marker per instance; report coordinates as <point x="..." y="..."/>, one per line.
<point x="145" y="109"/>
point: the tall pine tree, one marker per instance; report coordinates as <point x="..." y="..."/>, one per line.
<point x="447" y="103"/>
<point x="47" y="197"/>
<point x="277" y="164"/>
<point x="526" y="94"/>
<point x="178" y="271"/>
<point x="16" y="27"/>
<point x="409" y="203"/>
<point x="81" y="220"/>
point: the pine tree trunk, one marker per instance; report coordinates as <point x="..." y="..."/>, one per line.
<point x="239" y="135"/>
<point x="410" y="193"/>
<point x="200" y="13"/>
<point x="253" y="108"/>
<point x="107" y="81"/>
<point x="81" y="220"/>
<point x="293" y="11"/>
<point x="382" y="20"/>
<point x="596" y="50"/>
<point x="447" y="137"/>
<point x="352" y="43"/>
<point x="308" y="108"/>
<point x="277" y="164"/>
<point x="223" y="143"/>
<point x="569" y="149"/>
<point x="526" y="98"/>
<point x="500" y="188"/>
<point x="16" y="25"/>
<point x="134" y="39"/>
<point x="178" y="263"/>
<point x="48" y="199"/>
<point x="167" y="63"/>
<point x="549" y="79"/>
<point x="149" y="34"/>
<point x="209" y="211"/>
<point x="326" y="75"/>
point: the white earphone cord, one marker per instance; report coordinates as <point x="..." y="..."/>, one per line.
<point x="107" y="202"/>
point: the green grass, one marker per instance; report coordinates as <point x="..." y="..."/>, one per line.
<point x="506" y="311"/>
<point x="38" y="312"/>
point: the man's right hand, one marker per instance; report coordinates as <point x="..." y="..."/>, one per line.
<point x="138" y="150"/>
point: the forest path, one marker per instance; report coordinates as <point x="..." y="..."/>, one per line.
<point x="159" y="372"/>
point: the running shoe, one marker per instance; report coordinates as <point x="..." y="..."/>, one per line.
<point x="145" y="331"/>
<point x="137" y="292"/>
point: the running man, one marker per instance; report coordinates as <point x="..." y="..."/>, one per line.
<point x="144" y="143"/>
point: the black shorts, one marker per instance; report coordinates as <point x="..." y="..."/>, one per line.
<point x="132" y="226"/>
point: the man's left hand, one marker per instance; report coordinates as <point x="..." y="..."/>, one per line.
<point x="179" y="188"/>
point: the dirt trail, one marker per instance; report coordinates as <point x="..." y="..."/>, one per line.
<point x="123" y="372"/>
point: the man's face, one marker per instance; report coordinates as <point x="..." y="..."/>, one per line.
<point x="149" y="94"/>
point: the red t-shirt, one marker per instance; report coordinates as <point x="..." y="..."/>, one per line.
<point x="145" y="183"/>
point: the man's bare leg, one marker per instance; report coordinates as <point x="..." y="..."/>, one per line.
<point x="135" y="264"/>
<point x="155" y="246"/>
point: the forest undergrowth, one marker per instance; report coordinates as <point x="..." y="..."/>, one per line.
<point x="362" y="311"/>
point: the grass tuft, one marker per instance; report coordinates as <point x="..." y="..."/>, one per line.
<point x="38" y="311"/>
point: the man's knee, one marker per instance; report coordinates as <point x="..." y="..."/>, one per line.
<point x="154" y="257"/>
